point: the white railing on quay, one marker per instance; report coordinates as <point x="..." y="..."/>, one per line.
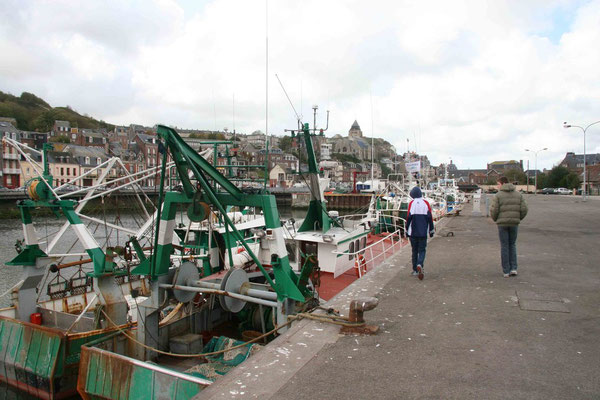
<point x="359" y="255"/>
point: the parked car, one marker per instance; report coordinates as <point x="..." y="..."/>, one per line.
<point x="563" y="191"/>
<point x="547" y="191"/>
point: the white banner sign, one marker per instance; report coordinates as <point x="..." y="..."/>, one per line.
<point x="413" y="166"/>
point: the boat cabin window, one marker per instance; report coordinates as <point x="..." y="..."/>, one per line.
<point x="290" y="246"/>
<point x="363" y="244"/>
<point x="351" y="251"/>
<point x="356" y="245"/>
<point x="307" y="248"/>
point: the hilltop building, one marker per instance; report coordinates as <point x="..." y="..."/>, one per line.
<point x="10" y="172"/>
<point x="61" y="128"/>
<point x="574" y="161"/>
<point x="502" y="166"/>
<point x="355" y="130"/>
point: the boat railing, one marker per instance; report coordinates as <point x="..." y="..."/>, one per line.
<point x="381" y="249"/>
<point x="349" y="221"/>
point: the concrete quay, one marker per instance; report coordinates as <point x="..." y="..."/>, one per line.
<point x="464" y="332"/>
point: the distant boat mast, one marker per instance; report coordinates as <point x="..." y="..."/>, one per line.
<point x="372" y="144"/>
<point x="266" y="73"/>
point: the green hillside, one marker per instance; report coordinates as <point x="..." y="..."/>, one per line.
<point x="34" y="114"/>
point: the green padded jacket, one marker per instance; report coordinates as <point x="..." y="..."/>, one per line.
<point x="508" y="207"/>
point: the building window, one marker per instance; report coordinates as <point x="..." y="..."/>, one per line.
<point x="87" y="160"/>
<point x="90" y="139"/>
<point x="73" y="136"/>
<point x="98" y="161"/>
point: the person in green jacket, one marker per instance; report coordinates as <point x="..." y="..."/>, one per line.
<point x="508" y="208"/>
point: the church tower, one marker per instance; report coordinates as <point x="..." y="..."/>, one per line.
<point x="355" y="130"/>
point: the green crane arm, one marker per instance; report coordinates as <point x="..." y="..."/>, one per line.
<point x="286" y="283"/>
<point x="316" y="216"/>
<point x="184" y="157"/>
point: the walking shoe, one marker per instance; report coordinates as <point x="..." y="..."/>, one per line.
<point x="513" y="272"/>
<point x="414" y="273"/>
<point x="420" y="272"/>
<point x="506" y="275"/>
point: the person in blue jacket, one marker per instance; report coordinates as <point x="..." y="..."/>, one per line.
<point x="419" y="223"/>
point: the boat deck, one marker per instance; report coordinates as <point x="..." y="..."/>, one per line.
<point x="377" y="254"/>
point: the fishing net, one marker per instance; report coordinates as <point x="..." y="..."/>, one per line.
<point x="221" y="363"/>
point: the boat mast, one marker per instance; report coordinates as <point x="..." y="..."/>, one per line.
<point x="372" y="146"/>
<point x="266" y="93"/>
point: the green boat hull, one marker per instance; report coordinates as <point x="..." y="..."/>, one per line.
<point x="41" y="361"/>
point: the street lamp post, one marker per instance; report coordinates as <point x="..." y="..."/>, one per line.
<point x="535" y="180"/>
<point x="565" y="125"/>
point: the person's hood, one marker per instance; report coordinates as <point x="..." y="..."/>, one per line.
<point x="508" y="187"/>
<point x="415" y="193"/>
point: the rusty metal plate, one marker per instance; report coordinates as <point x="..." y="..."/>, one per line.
<point x="543" y="305"/>
<point x="530" y="295"/>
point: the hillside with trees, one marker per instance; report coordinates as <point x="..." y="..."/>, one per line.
<point x="34" y="114"/>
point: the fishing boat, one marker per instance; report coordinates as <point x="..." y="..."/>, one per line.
<point x="235" y="281"/>
<point x="346" y="247"/>
<point x="87" y="291"/>
<point x="55" y="305"/>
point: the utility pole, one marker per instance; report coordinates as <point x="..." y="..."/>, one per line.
<point x="565" y="125"/>
<point x="535" y="181"/>
<point x="527" y="175"/>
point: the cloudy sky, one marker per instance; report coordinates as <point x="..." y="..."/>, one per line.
<point x="472" y="81"/>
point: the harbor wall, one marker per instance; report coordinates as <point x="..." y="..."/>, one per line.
<point x="126" y="201"/>
<point x="335" y="201"/>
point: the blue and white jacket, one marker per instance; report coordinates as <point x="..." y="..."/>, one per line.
<point x="419" y="222"/>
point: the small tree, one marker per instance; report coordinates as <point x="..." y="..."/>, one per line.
<point x="515" y="175"/>
<point x="45" y="121"/>
<point x="59" y="139"/>
<point x="542" y="181"/>
<point x="557" y="176"/>
<point x="285" y="144"/>
<point x="572" y="181"/>
<point x="385" y="171"/>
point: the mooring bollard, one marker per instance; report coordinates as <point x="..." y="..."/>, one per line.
<point x="356" y="315"/>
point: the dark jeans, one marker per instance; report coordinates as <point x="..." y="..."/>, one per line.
<point x="508" y="247"/>
<point x="418" y="245"/>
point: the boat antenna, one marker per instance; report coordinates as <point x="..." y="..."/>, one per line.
<point x="288" y="97"/>
<point x="301" y="98"/>
<point x="214" y="111"/>
<point x="372" y="144"/>
<point x="234" y="117"/>
<point x="266" y="72"/>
